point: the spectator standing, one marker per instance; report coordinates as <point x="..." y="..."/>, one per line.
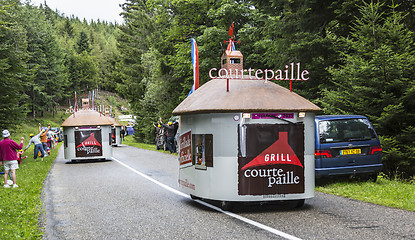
<point x="176" y="134"/>
<point x="157" y="128"/>
<point x="51" y="139"/>
<point x="44" y="137"/>
<point x="9" y="157"/>
<point x="38" y="146"/>
<point x="122" y="133"/>
<point x="170" y="137"/>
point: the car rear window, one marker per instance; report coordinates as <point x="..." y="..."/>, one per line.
<point x="345" y="130"/>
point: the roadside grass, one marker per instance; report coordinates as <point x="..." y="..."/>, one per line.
<point x="20" y="208"/>
<point x="129" y="140"/>
<point x="391" y="193"/>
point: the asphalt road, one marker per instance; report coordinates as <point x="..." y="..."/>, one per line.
<point x="134" y="196"/>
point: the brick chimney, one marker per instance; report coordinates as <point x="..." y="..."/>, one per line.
<point x="232" y="59"/>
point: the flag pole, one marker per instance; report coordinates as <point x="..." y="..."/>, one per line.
<point x="76" y="106"/>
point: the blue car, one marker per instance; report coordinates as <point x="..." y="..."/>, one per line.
<point x="346" y="145"/>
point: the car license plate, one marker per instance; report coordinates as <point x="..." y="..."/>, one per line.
<point x="351" y="151"/>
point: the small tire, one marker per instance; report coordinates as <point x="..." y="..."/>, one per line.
<point x="194" y="197"/>
<point x="300" y="203"/>
<point x="226" y="206"/>
<point x="369" y="177"/>
<point x="375" y="178"/>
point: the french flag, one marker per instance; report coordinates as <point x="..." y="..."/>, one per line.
<point x="76" y="104"/>
<point x="195" y="63"/>
<point x="93" y="100"/>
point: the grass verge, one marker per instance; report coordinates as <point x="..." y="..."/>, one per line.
<point x="129" y="140"/>
<point x="20" y="208"/>
<point x="391" y="193"/>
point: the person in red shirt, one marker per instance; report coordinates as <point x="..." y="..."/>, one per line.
<point x="8" y="155"/>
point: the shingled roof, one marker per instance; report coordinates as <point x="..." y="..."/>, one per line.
<point x="243" y="96"/>
<point x="86" y="118"/>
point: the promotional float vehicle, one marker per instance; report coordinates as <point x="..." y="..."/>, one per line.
<point x="246" y="140"/>
<point x="87" y="135"/>
<point x="115" y="132"/>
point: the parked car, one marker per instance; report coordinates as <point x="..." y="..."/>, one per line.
<point x="346" y="145"/>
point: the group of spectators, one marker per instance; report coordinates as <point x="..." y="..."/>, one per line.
<point x="126" y="130"/>
<point x="43" y="142"/>
<point x="11" y="153"/>
<point x="170" y="129"/>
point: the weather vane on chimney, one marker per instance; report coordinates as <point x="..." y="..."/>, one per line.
<point x="231" y="38"/>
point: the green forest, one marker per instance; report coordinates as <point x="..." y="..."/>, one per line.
<point x="360" y="55"/>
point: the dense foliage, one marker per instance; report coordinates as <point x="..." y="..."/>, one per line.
<point x="45" y="57"/>
<point x="360" y="55"/>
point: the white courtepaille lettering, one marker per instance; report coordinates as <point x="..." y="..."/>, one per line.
<point x="275" y="176"/>
<point x="292" y="72"/>
<point x="223" y="70"/>
<point x="266" y="74"/>
<point x="89" y="150"/>
<point x="257" y="73"/>
<point x="210" y="72"/>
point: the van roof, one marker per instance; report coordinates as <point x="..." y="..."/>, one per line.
<point x="334" y="117"/>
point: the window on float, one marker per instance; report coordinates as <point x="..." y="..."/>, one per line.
<point x="202" y="149"/>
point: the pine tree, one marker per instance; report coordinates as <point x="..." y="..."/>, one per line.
<point x="13" y="57"/>
<point x="377" y="80"/>
<point x="47" y="71"/>
<point x="83" y="43"/>
<point x="68" y="29"/>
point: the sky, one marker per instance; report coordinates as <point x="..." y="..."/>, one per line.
<point x="107" y="10"/>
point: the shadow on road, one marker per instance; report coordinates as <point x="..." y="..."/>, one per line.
<point x="87" y="161"/>
<point x="252" y="207"/>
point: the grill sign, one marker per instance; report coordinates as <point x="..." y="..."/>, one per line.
<point x="88" y="143"/>
<point x="274" y="161"/>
